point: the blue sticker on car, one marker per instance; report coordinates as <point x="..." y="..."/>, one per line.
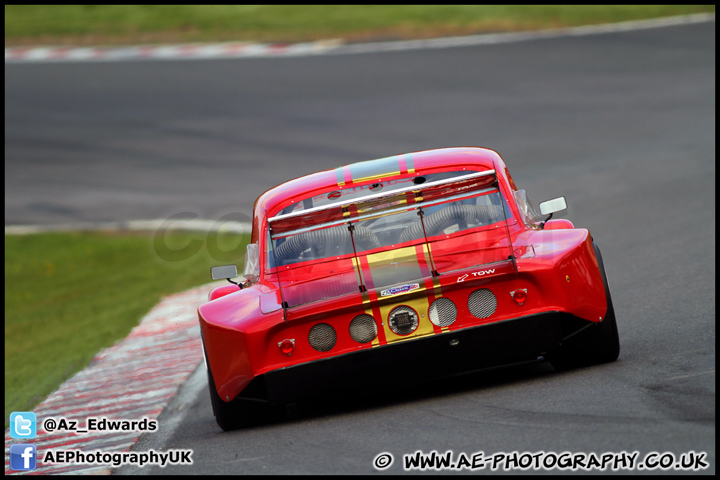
<point x="401" y="289"/>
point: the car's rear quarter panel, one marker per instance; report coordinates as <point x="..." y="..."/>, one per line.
<point x="242" y="342"/>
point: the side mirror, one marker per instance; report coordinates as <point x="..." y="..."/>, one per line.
<point x="252" y="262"/>
<point x="553" y="206"/>
<point x="224" y="272"/>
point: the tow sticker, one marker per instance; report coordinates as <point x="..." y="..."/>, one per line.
<point x="475" y="274"/>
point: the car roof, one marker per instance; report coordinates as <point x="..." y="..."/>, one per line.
<point x="381" y="169"/>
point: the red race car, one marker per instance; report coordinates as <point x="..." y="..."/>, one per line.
<point x="395" y="270"/>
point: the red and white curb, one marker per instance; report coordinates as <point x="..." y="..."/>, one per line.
<point x="199" y="225"/>
<point x="160" y="52"/>
<point x="322" y="47"/>
<point x="133" y="379"/>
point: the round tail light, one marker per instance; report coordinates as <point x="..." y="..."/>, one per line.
<point x="287" y="346"/>
<point x="520" y="295"/>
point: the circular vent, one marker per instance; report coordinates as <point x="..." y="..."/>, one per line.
<point x="322" y="337"/>
<point x="363" y="328"/>
<point x="443" y="312"/>
<point x="482" y="303"/>
<point x="403" y="320"/>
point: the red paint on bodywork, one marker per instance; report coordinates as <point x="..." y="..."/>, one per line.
<point x="222" y="291"/>
<point x="241" y="330"/>
<point x="558" y="224"/>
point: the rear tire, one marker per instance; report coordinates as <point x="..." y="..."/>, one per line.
<point x="239" y="413"/>
<point x="598" y="343"/>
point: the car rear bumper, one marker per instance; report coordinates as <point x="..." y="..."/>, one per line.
<point x="510" y="341"/>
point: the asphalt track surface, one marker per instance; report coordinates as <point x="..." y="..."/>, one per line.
<point x="621" y="124"/>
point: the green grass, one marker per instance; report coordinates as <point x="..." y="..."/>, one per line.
<point x="108" y="24"/>
<point x="69" y="295"/>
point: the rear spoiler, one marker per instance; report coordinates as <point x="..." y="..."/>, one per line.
<point x="380" y="204"/>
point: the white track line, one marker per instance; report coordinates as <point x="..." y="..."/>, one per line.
<point x="321" y="47"/>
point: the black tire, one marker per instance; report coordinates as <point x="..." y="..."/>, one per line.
<point x="598" y="343"/>
<point x="240" y="413"/>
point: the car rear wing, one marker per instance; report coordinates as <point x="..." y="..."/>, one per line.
<point x="386" y="203"/>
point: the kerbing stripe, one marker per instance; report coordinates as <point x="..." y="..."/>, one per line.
<point x="323" y="47"/>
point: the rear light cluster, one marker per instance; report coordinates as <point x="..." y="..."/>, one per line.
<point x="404" y="320"/>
<point x="287" y="346"/>
<point x="519" y="295"/>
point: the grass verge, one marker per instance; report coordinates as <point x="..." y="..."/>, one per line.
<point x="133" y="24"/>
<point x="69" y="295"/>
